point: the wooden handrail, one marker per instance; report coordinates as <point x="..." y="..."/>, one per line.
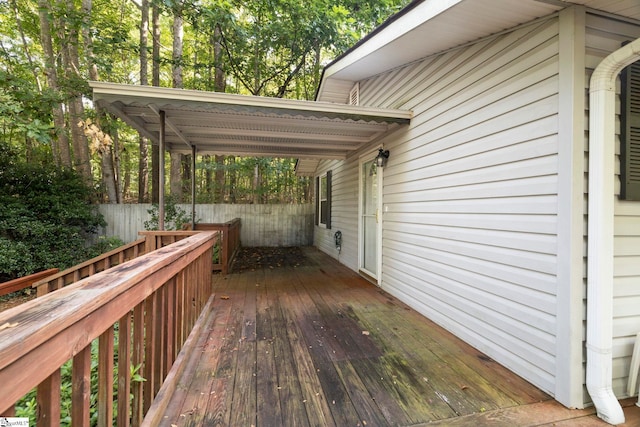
<point x="228" y="241"/>
<point x="153" y="300"/>
<point x="88" y="268"/>
<point x="229" y="244"/>
<point x="155" y="239"/>
<point x="25" y="282"/>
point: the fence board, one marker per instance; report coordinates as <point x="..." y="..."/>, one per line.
<point x="262" y="225"/>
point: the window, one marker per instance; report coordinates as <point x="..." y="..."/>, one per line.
<point x="323" y="200"/>
<point x="630" y="133"/>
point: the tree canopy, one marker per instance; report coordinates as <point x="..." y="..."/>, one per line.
<point x="50" y="49"/>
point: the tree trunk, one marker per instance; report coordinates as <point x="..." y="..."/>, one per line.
<point x="178" y="37"/>
<point x="143" y="162"/>
<point x="176" y="74"/>
<point x="233" y="179"/>
<point x="25" y="44"/>
<point x="220" y="83"/>
<point x="186" y="175"/>
<point x="218" y="196"/>
<point x="208" y="176"/>
<point x="71" y="63"/>
<point x="126" y="181"/>
<point x="175" y="182"/>
<point x="60" y="144"/>
<point x="116" y="166"/>
<point x="155" y="81"/>
<point x="256" y="183"/>
<point x="108" y="177"/>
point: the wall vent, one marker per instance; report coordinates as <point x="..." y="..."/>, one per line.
<point x="354" y="95"/>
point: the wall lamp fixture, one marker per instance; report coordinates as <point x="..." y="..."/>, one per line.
<point x="381" y="158"/>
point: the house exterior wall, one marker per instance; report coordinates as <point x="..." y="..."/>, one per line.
<point x="484" y="230"/>
<point x="470" y="195"/>
<point x="603" y="36"/>
<point x="344" y="212"/>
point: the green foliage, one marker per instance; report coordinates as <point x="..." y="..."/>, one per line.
<point x="267" y="47"/>
<point x="103" y="245"/>
<point x="174" y="216"/>
<point x="27" y="407"/>
<point x="45" y="217"/>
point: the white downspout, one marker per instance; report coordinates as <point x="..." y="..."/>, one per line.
<point x="602" y="102"/>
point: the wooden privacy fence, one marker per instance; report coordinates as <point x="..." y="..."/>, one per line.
<point x="140" y="312"/>
<point x="262" y="225"/>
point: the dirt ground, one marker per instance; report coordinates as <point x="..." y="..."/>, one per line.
<point x="249" y="259"/>
<point x="16" y="298"/>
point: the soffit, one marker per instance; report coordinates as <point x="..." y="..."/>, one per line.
<point x="428" y="27"/>
<point x="226" y="124"/>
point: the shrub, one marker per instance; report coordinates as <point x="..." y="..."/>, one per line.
<point x="174" y="216"/>
<point x="46" y="217"/>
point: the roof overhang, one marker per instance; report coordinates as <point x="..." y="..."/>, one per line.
<point x="227" y="124"/>
<point x="428" y="27"/>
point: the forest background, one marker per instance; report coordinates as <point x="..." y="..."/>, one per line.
<point x="60" y="154"/>
<point x="50" y="49"/>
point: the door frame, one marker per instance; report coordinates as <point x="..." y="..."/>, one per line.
<point x="377" y="277"/>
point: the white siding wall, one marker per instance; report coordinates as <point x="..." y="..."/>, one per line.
<point x="603" y="37"/>
<point x="344" y="212"/>
<point x="262" y="225"/>
<point x="470" y="195"/>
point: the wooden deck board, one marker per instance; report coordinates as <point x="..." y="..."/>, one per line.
<point x="316" y="345"/>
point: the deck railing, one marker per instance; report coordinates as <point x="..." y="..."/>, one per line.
<point x="229" y="242"/>
<point x="140" y="312"/>
<point x="90" y="267"/>
<point x="25" y="282"/>
<point x="226" y="246"/>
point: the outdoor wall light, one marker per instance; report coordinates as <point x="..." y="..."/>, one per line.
<point x="381" y="158"/>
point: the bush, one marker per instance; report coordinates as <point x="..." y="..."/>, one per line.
<point x="46" y="217"/>
<point x="174" y="216"/>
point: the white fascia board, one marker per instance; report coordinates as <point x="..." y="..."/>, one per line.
<point x="406" y="23"/>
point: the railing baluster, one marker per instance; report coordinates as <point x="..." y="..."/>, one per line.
<point x="124" y="369"/>
<point x="137" y="388"/>
<point x="105" y="378"/>
<point x="149" y="347"/>
<point x="158" y="326"/>
<point x="154" y="302"/>
<point x="180" y="326"/>
<point x="81" y="388"/>
<point x="48" y="398"/>
<point x="170" y="324"/>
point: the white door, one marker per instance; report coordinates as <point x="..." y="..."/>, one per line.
<point x="370" y="223"/>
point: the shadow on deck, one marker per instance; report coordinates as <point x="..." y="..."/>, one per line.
<point x="302" y="340"/>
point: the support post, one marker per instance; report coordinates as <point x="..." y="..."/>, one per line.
<point x="161" y="148"/>
<point x="193" y="187"/>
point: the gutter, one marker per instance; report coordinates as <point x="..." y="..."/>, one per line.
<point x="602" y="102"/>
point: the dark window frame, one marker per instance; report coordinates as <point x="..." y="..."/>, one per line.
<point x="630" y="132"/>
<point x="323" y="201"/>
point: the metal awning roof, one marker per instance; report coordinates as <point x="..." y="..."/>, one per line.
<point x="220" y="123"/>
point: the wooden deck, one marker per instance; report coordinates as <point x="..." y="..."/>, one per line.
<point x="310" y="343"/>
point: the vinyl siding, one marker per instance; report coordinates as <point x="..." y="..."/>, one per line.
<point x="605" y="35"/>
<point x="344" y="212"/>
<point x="470" y="194"/>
